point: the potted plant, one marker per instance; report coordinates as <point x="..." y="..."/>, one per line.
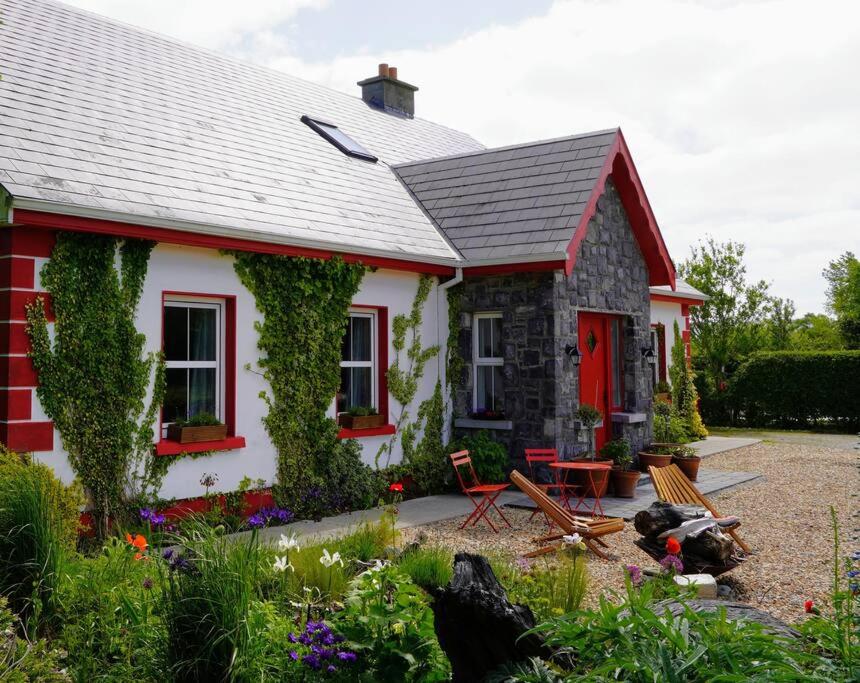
<point x="359" y="417"/>
<point x="663" y="392"/>
<point x="588" y="417"/>
<point x="197" y="428"/>
<point x="624" y="479"/>
<point x="687" y="460"/>
<point x="656" y="455"/>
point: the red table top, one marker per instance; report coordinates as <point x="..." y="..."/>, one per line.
<point x="581" y="465"/>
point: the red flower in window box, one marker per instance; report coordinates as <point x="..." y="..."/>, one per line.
<point x="396" y="487"/>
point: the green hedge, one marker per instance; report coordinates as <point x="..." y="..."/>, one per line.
<point x="792" y="389"/>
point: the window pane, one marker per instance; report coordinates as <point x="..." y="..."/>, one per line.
<point x="355" y="389"/>
<point x="202" y="333"/>
<point x="489" y="337"/>
<point x="615" y="344"/>
<point x="201" y="391"/>
<point x="175" y="333"/>
<point x="176" y="394"/>
<point x="490" y="385"/>
<point x="360" y="339"/>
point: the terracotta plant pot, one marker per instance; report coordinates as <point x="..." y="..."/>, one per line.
<point x="624" y="482"/>
<point x="196" y="434"/>
<point x="664" y="398"/>
<point x="647" y="460"/>
<point x="360" y="421"/>
<point x="689" y="466"/>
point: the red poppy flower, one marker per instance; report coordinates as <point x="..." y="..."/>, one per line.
<point x="672" y="546"/>
<point x="396" y="486"/>
<point x="809" y="606"/>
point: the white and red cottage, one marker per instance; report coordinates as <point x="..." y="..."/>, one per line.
<point x="109" y="129"/>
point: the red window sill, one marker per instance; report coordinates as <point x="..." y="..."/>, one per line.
<point x="345" y="433"/>
<point x="166" y="447"/>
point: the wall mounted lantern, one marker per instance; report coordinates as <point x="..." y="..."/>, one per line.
<point x="649" y="355"/>
<point x="573" y="353"/>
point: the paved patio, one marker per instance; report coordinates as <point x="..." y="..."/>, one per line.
<point x="437" y="508"/>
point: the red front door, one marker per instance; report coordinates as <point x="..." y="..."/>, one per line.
<point x="595" y="378"/>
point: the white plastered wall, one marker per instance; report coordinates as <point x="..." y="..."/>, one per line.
<point x="666" y="313"/>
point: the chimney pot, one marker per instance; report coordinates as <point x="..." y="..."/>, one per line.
<point x="389" y="94"/>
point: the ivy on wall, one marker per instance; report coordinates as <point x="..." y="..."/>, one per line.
<point x="94" y="374"/>
<point x="304" y="303"/>
<point x="404" y="374"/>
<point x="454" y="361"/>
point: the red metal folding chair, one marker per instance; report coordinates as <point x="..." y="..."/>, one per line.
<point x="535" y="457"/>
<point x="483" y="496"/>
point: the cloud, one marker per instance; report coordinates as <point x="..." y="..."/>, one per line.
<point x="741" y="116"/>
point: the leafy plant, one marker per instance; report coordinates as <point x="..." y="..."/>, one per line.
<point x="198" y="420"/>
<point x="619" y="451"/>
<point x="551" y="590"/>
<point x="669" y="427"/>
<point x="38" y="530"/>
<point x="404" y="375"/>
<point x="388" y="622"/>
<point x="362" y="411"/>
<point x="685" y="397"/>
<point x="662" y="387"/>
<point x="489" y="458"/>
<point x="93" y="373"/>
<point x="23" y="661"/>
<point x="304" y="303"/>
<point x="428" y="463"/>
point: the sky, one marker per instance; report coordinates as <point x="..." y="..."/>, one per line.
<point x="743" y="117"/>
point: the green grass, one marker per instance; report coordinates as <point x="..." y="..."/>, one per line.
<point x="429" y="567"/>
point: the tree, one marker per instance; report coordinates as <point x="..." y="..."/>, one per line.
<point x="685" y="397"/>
<point x="779" y="324"/>
<point x="732" y="323"/>
<point x="815" y="332"/>
<point x="843" y="296"/>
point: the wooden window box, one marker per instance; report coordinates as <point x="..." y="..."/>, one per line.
<point x="196" y="434"/>
<point x="360" y="421"/>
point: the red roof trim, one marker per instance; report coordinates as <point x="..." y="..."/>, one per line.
<point x="676" y="299"/>
<point x="505" y="268"/>
<point x="619" y="164"/>
<point x="54" y="221"/>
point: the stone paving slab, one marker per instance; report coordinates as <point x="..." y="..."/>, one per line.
<point x="720" y="444"/>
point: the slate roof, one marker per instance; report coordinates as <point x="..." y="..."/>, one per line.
<point x="108" y="121"/>
<point x="523" y="201"/>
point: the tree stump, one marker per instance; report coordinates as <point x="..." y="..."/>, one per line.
<point x="477" y="626"/>
<point x="661" y="517"/>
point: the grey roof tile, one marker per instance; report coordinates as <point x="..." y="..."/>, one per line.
<point x="107" y="117"/>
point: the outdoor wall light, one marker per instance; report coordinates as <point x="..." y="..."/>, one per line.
<point x="572" y="352"/>
<point x="649" y="355"/>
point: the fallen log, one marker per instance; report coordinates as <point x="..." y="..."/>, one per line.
<point x="477" y="626"/>
<point x="661" y="517"/>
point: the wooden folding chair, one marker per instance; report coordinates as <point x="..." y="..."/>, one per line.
<point x="673" y="487"/>
<point x="535" y="457"/>
<point x="483" y="496"/>
<point x="589" y="528"/>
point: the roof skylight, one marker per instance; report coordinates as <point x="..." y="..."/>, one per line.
<point x="339" y="139"/>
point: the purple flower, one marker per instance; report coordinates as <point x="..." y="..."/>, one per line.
<point x="147" y="583"/>
<point x="635" y="574"/>
<point x="331" y="668"/>
<point x="305" y="639"/>
<point x="672" y="562"/>
<point x="294" y="655"/>
<point x="853" y="573"/>
<point x="523" y="564"/>
<point x="152" y="516"/>
<point x="167" y="554"/>
<point x="292" y="638"/>
<point x="256" y="521"/>
<point x="312" y="661"/>
<point x="347" y="656"/>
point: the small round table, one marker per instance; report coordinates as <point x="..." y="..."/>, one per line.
<point x="563" y="468"/>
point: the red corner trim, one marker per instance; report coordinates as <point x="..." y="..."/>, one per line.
<point x="681" y="300"/>
<point x="22" y="242"/>
<point x="52" y="221"/>
<point x="13" y="337"/>
<point x="505" y="268"/>
<point x="17" y="371"/>
<point x="382" y="360"/>
<point x="229" y="354"/>
<point x="17" y="272"/>
<point x="345" y="433"/>
<point x="16" y="404"/>
<point x="619" y="164"/>
<point x="13" y="304"/>
<point x="27" y="436"/>
<point x="165" y="447"/>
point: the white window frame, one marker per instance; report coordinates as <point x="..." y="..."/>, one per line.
<point x="655" y="347"/>
<point x="219" y="306"/>
<point x="373" y="363"/>
<point x="477" y="359"/>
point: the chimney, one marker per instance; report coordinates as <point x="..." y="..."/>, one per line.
<point x="384" y="91"/>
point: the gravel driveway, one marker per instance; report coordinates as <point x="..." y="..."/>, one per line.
<point x="785" y="518"/>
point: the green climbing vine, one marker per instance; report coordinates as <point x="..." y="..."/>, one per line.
<point x="454" y="361"/>
<point x="94" y="374"/>
<point x="304" y="303"/>
<point x="404" y="374"/>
